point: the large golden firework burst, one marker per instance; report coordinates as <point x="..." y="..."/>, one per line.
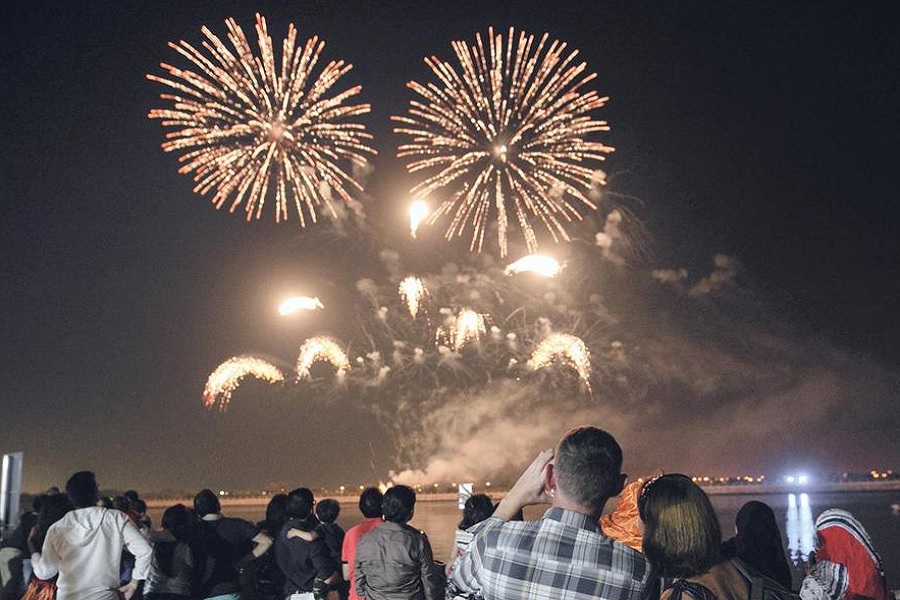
<point x="506" y="134"/>
<point x="244" y="127"/>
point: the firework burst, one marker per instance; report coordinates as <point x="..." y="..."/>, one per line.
<point x="321" y="349"/>
<point x="566" y="349"/>
<point x="412" y="291"/>
<point x="244" y="127"/>
<point x="466" y="327"/>
<point x="225" y="379"/>
<point x="506" y="135"/>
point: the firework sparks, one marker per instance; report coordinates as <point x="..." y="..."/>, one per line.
<point x="466" y="327"/>
<point x="321" y="349"/>
<point x="225" y="379"/>
<point x="292" y="305"/>
<point x="566" y="349"/>
<point x="535" y="263"/>
<point x="418" y="212"/>
<point x="244" y="127"/>
<point x="506" y="134"/>
<point x="412" y="291"/>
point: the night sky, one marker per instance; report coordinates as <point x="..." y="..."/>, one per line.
<point x="764" y="132"/>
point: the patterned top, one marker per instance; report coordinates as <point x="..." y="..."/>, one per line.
<point x="563" y="556"/>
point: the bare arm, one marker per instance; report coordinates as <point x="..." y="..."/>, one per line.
<point x="263" y="543"/>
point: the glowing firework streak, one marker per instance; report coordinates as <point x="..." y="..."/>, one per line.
<point x="292" y="305"/>
<point x="506" y="135"/>
<point x="244" y="127"/>
<point x="535" y="263"/>
<point x="418" y="212"/>
<point x="321" y="349"/>
<point x="468" y="326"/>
<point x="566" y="349"/>
<point x="225" y="379"/>
<point x="412" y="290"/>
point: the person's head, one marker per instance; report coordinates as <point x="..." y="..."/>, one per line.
<point x="52" y="510"/>
<point x="399" y="504"/>
<point x="139" y="506"/>
<point x="82" y="489"/>
<point x="756" y="526"/>
<point x="477" y="508"/>
<point x="587" y="467"/>
<point x="206" y="503"/>
<point x="276" y="513"/>
<point x="179" y="520"/>
<point x="122" y="503"/>
<point x="132" y="495"/>
<point x="328" y="510"/>
<point x="682" y="537"/>
<point x="370" y="502"/>
<point x="300" y="503"/>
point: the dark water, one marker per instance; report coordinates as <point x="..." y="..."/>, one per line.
<point x="796" y="514"/>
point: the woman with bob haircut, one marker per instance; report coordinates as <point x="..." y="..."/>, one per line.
<point x="682" y="539"/>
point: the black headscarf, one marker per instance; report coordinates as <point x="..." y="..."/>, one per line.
<point x="759" y="544"/>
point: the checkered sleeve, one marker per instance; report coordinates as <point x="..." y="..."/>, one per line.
<point x="466" y="576"/>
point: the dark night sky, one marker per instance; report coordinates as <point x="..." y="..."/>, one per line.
<point x="766" y="131"/>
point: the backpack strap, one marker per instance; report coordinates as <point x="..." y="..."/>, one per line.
<point x="697" y="590"/>
<point x="757" y="587"/>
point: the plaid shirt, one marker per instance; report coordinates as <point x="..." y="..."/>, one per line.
<point x="563" y="556"/>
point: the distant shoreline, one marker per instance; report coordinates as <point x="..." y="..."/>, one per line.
<point x="712" y="490"/>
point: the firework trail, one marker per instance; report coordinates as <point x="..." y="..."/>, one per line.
<point x="535" y="263"/>
<point x="566" y="349"/>
<point x="225" y="379"/>
<point x="412" y="291"/>
<point x="418" y="212"/>
<point x="292" y="305"/>
<point x="505" y="135"/>
<point x="321" y="349"/>
<point x="244" y="127"/>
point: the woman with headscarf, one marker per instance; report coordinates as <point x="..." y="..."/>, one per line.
<point x="846" y="564"/>
<point x="759" y="543"/>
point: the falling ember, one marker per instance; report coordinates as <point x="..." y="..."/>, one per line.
<point x="292" y="305"/>
<point x="468" y="326"/>
<point x="225" y="379"/>
<point x="505" y="133"/>
<point x="418" y="212"/>
<point x="566" y="349"/>
<point x="321" y="349"/>
<point x="412" y="290"/>
<point x="535" y="263"/>
<point x="247" y="129"/>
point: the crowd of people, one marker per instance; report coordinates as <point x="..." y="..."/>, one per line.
<point x="662" y="541"/>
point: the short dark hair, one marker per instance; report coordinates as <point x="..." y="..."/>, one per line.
<point x="588" y="466"/>
<point x="82" y="489"/>
<point x="477" y="508"/>
<point x="370" y="502"/>
<point x="299" y="503"/>
<point x="328" y="510"/>
<point x="398" y="504"/>
<point x="682" y="536"/>
<point x="206" y="503"/>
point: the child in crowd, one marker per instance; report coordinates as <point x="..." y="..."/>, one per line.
<point x="332" y="534"/>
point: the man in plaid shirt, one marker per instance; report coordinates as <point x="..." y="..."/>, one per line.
<point x="564" y="555"/>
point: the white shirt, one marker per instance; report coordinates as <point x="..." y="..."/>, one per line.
<point x="85" y="549"/>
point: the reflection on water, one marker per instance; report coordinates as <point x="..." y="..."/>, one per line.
<point x="800" y="528"/>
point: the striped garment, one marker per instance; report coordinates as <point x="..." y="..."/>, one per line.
<point x="563" y="556"/>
